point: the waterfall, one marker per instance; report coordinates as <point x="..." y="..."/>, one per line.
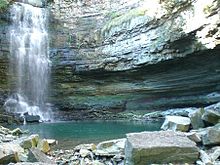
<point x="29" y="61"/>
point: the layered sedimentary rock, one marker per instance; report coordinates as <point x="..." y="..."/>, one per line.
<point x="121" y="35"/>
<point x="129" y="55"/>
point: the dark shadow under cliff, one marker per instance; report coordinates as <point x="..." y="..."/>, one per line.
<point x="183" y="82"/>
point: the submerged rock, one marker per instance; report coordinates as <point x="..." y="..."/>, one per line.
<point x="176" y="123"/>
<point x="159" y="147"/>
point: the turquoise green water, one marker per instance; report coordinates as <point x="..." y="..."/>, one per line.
<point x="69" y="134"/>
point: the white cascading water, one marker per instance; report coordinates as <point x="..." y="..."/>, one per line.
<point x="29" y="61"/>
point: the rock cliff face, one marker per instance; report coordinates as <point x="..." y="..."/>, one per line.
<point x="121" y="35"/>
<point x="119" y="55"/>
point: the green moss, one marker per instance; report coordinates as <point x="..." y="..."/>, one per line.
<point x="207" y="9"/>
<point x="172" y="6"/>
<point x="114" y="15"/>
<point x="117" y="19"/>
<point x="3" y="5"/>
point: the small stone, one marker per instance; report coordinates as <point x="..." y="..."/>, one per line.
<point x="52" y="141"/>
<point x="97" y="162"/>
<point x="215" y="154"/>
<point x="205" y="158"/>
<point x="43" y="146"/>
<point x="199" y="162"/>
<point x="193" y="136"/>
<point x="84" y="152"/>
<point x="90" y="147"/>
<point x="118" y="158"/>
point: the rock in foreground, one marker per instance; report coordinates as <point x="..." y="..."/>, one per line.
<point x="211" y="135"/>
<point x="159" y="147"/>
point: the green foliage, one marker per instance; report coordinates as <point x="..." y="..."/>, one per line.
<point x="3" y="5"/>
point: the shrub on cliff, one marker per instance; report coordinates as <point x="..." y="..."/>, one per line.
<point x="4" y="4"/>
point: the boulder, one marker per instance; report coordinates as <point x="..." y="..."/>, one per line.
<point x="10" y="152"/>
<point x="212" y="114"/>
<point x="32" y="118"/>
<point x="16" y="131"/>
<point x="90" y="147"/>
<point x="159" y="147"/>
<point x="196" y="118"/>
<point x="176" y="123"/>
<point x="43" y="145"/>
<point x="30" y="141"/>
<point x="212" y="135"/>
<point x="52" y="142"/>
<point x="35" y="155"/>
<point x="111" y="147"/>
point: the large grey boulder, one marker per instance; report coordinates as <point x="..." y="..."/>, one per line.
<point x="212" y="114"/>
<point x="159" y="147"/>
<point x="211" y="136"/>
<point x="176" y="123"/>
<point x="196" y="118"/>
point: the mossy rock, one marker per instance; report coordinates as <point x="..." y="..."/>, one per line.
<point x="117" y="19"/>
<point x="4" y="4"/>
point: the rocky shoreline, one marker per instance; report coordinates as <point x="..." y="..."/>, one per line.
<point x="188" y="135"/>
